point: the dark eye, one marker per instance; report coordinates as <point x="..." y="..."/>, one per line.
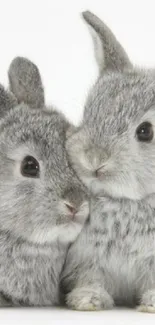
<point x="144" y="132"/>
<point x="30" y="167"/>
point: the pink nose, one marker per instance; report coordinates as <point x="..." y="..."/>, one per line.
<point x="71" y="208"/>
<point x="99" y="172"/>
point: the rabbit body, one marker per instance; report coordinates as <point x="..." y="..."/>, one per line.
<point x="113" y="256"/>
<point x="29" y="274"/>
<point x="43" y="204"/>
<point x="113" y="152"/>
<point x="36" y="227"/>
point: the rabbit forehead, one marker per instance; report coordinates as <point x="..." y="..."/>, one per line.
<point x="119" y="99"/>
<point x="22" y="119"/>
<point x="44" y="132"/>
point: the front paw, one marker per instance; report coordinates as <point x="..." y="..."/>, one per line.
<point x="89" y="299"/>
<point x="147" y="302"/>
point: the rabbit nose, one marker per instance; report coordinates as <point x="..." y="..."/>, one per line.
<point x="99" y="172"/>
<point x="71" y="208"/>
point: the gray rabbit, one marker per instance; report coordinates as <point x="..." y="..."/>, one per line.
<point x="43" y="205"/>
<point x="113" y="152"/>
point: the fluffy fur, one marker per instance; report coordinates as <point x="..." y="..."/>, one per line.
<point x="36" y="227"/>
<point x="25" y="82"/>
<point x="115" y="259"/>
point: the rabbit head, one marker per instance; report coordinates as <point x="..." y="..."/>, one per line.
<point x="113" y="151"/>
<point x="41" y="199"/>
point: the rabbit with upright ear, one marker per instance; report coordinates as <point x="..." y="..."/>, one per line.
<point x="43" y="205"/>
<point x="25" y="86"/>
<point x="113" y="152"/>
<point x="25" y="82"/>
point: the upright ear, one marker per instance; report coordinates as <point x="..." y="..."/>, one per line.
<point x="7" y="101"/>
<point x="25" y="82"/>
<point x="108" y="51"/>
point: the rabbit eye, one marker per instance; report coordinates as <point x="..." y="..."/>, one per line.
<point x="30" y="167"/>
<point x="144" y="132"/>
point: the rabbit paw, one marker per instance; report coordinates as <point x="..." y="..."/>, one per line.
<point x="87" y="299"/>
<point x="147" y="302"/>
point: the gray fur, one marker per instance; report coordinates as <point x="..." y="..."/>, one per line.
<point x="7" y="100"/>
<point x="25" y="82"/>
<point x="36" y="227"/>
<point x="113" y="259"/>
<point x="114" y="55"/>
<point x="25" y="85"/>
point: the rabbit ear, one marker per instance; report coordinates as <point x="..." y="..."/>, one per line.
<point x="108" y="51"/>
<point x="25" y="82"/>
<point x="7" y="101"/>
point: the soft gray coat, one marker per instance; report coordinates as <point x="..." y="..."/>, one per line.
<point x="41" y="214"/>
<point x="113" y="152"/>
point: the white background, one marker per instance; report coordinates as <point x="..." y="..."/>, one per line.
<point x="53" y="35"/>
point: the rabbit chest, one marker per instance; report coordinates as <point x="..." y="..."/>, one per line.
<point x="124" y="244"/>
<point x="116" y="248"/>
<point x="29" y="274"/>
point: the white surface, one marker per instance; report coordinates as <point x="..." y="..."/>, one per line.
<point x="65" y="317"/>
<point x="52" y="34"/>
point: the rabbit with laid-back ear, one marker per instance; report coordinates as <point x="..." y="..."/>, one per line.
<point x="43" y="205"/>
<point x="7" y="100"/>
<point x="113" y="152"/>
